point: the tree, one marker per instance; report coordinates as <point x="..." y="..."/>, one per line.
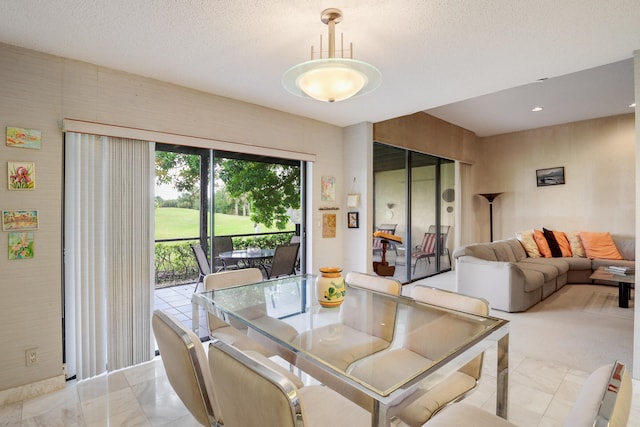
<point x="180" y="170"/>
<point x="270" y="188"/>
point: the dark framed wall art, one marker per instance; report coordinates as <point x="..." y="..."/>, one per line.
<point x="352" y="220"/>
<point x="550" y="176"/>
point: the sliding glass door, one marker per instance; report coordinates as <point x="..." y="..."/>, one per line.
<point x="413" y="198"/>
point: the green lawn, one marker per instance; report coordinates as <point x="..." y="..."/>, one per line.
<point x="172" y="223"/>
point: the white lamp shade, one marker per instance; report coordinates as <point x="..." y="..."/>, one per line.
<point x="331" y="79"/>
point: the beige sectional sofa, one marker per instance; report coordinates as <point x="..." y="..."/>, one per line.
<point x="502" y="273"/>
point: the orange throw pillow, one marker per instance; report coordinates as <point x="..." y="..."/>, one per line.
<point x="599" y="245"/>
<point x="563" y="242"/>
<point x="541" y="241"/>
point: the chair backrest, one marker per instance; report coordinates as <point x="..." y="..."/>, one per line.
<point x="381" y="312"/>
<point x="201" y="259"/>
<point x="385" y="228"/>
<point x="284" y="260"/>
<point x="428" y="244"/>
<point x="453" y="301"/>
<point x="224" y="279"/>
<point x="251" y="393"/>
<point x="185" y="362"/>
<point x="604" y="400"/>
<point x="223" y="244"/>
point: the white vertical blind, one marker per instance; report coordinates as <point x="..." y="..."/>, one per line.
<point x="108" y="252"/>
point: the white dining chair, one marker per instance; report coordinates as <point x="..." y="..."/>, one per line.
<point x="253" y="394"/>
<point x="603" y="401"/>
<point x="426" y="340"/>
<point x="237" y="334"/>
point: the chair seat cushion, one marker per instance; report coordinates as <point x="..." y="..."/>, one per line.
<point x="424" y="402"/>
<point x="465" y="415"/>
<point x="340" y="345"/>
<point x="322" y="406"/>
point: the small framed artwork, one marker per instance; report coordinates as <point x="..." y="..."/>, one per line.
<point x="328" y="193"/>
<point x="550" y="176"/>
<point x="23" y="138"/>
<point x="19" y="220"/>
<point x="353" y="200"/>
<point x="328" y="226"/>
<point x="21" y="175"/>
<point x="21" y="245"/>
<point x="352" y="220"/>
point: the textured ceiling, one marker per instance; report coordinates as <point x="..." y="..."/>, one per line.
<point x="432" y="53"/>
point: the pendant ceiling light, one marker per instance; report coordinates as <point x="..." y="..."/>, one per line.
<point x="332" y="79"/>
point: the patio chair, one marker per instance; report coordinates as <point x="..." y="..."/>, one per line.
<point x="284" y="261"/>
<point x="427" y="248"/>
<point x="604" y="400"/>
<point x="203" y="264"/>
<point x="224" y="244"/>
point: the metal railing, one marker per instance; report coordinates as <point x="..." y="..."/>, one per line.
<point x="175" y="263"/>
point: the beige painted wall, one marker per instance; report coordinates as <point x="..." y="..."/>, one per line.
<point x="599" y="194"/>
<point x="38" y="91"/>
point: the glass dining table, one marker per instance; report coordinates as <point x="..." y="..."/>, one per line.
<point x="334" y="345"/>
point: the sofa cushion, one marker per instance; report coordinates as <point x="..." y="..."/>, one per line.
<point x="541" y="241"/>
<point x="517" y="249"/>
<point x="563" y="242"/>
<point x="503" y="251"/>
<point x="576" y="263"/>
<point x="560" y="264"/>
<point x="577" y="250"/>
<point x="599" y="245"/>
<point x="528" y="243"/>
<point x="478" y="250"/>
<point x="552" y="242"/>
<point x="549" y="271"/>
<point x="597" y="263"/>
<point x="626" y="246"/>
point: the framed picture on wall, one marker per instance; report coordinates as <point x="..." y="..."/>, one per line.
<point x="353" y="220"/>
<point x="550" y="176"/>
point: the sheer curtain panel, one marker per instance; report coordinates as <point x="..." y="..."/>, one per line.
<point x="109" y="250"/>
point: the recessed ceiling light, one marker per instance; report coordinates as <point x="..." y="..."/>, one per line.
<point x="536" y="109"/>
<point x="632" y="105"/>
<point x="542" y="79"/>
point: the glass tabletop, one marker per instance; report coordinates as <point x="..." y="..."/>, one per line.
<point x="368" y="341"/>
<point x="256" y="253"/>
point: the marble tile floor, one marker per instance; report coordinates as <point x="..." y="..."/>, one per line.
<point x="541" y="392"/>
<point x="540" y="395"/>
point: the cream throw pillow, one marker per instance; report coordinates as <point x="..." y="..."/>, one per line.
<point x="528" y="243"/>
<point x="576" y="244"/>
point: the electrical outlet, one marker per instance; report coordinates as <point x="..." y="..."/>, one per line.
<point x="31" y="356"/>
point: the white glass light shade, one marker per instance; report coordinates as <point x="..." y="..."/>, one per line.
<point x="331" y="79"/>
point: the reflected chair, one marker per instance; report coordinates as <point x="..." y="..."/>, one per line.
<point x="427" y="248"/>
<point x="359" y="333"/>
<point x="426" y="340"/>
<point x="284" y="261"/>
<point x="604" y="400"/>
<point x="203" y="264"/>
<point x="256" y="395"/>
<point x="185" y="362"/>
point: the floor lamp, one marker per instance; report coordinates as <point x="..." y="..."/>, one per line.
<point x="490" y="197"/>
